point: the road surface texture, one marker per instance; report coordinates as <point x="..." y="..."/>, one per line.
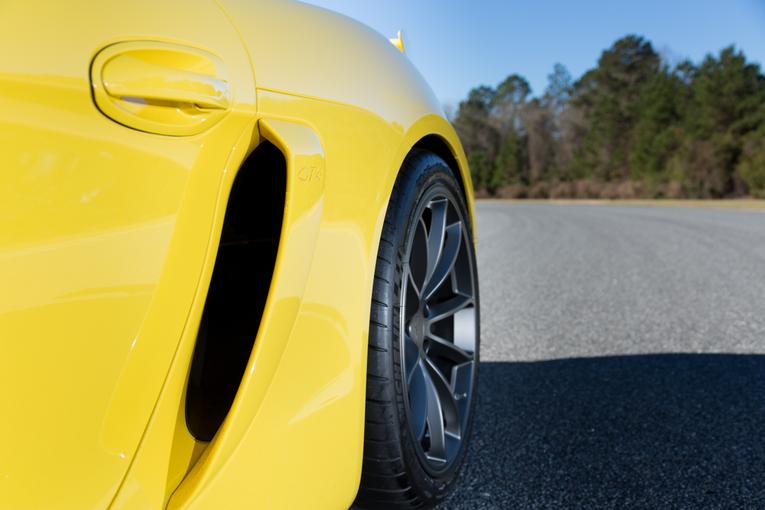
<point x="623" y="359"/>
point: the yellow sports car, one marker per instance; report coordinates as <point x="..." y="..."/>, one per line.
<point x="237" y="263"/>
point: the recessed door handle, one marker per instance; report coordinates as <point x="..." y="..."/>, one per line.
<point x="161" y="88"/>
<point x="128" y="77"/>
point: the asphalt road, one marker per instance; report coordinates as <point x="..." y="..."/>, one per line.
<point x="623" y="359"/>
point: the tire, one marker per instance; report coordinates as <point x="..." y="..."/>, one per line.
<point x="409" y="460"/>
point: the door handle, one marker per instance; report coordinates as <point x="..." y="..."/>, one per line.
<point x="126" y="76"/>
<point x="160" y="87"/>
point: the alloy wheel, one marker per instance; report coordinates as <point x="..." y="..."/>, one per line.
<point x="438" y="330"/>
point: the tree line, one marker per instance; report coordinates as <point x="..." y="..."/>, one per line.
<point x="634" y="126"/>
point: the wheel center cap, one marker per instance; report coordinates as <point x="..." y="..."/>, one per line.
<point x="418" y="328"/>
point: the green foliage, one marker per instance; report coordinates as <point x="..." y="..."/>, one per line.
<point x="480" y="169"/>
<point x="751" y="166"/>
<point x="688" y="130"/>
<point x="509" y="163"/>
<point x="611" y="96"/>
<point x="727" y="92"/>
<point x="656" y="133"/>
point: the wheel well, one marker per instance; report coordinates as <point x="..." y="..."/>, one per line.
<point x="439" y="147"/>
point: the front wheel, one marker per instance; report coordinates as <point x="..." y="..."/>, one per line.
<point x="423" y="342"/>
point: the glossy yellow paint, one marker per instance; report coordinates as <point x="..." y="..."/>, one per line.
<point x="109" y="233"/>
<point x="103" y="231"/>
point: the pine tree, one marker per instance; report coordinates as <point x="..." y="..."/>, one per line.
<point x="610" y="96"/>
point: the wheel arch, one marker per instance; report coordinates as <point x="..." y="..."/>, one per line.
<point x="440" y="147"/>
<point x="435" y="134"/>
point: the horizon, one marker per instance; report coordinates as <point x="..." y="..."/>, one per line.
<point x="530" y="40"/>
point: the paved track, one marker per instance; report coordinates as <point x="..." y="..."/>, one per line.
<point x="623" y="359"/>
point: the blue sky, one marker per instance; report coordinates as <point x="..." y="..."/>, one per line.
<point x="458" y="44"/>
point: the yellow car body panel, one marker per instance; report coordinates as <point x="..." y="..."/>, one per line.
<point x="110" y="216"/>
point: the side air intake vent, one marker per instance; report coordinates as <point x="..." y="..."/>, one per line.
<point x="238" y="289"/>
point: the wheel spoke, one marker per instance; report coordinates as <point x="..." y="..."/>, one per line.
<point x="442" y="347"/>
<point x="447" y="258"/>
<point x="418" y="401"/>
<point x="413" y="283"/>
<point x="435" y="420"/>
<point x="447" y="403"/>
<point x="435" y="236"/>
<point x="448" y="308"/>
<point x="411" y="357"/>
<point x="412" y="296"/>
<point x="462" y="380"/>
